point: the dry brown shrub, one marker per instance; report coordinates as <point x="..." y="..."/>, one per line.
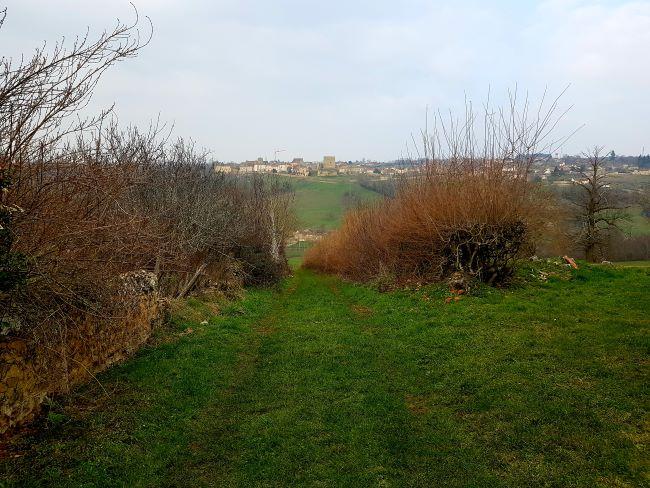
<point x="471" y="209"/>
<point x="82" y="201"/>
<point x="89" y="217"/>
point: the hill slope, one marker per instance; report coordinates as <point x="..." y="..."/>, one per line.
<point x="322" y="201"/>
<point x="330" y="383"/>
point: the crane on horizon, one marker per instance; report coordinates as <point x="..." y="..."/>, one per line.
<point x="275" y="154"/>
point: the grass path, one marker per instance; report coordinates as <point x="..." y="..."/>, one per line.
<point x="324" y="383"/>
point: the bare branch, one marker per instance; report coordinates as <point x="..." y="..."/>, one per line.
<point x="40" y="98"/>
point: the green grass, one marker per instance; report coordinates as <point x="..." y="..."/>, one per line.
<point x="327" y="383"/>
<point x="638" y="224"/>
<point x="320" y="202"/>
<point x="634" y="264"/>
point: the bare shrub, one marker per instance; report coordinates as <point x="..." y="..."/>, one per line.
<point x="73" y="234"/>
<point x="471" y="210"/>
<point x="39" y="93"/>
<point x="270" y="221"/>
<point x="85" y="202"/>
<point x="125" y="201"/>
<point x="38" y="96"/>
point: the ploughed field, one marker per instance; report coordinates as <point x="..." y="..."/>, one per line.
<point x="326" y="383"/>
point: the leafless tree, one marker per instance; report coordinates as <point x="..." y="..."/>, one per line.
<point x="85" y="201"/>
<point x="38" y="94"/>
<point x="598" y="207"/>
<point x="268" y="211"/>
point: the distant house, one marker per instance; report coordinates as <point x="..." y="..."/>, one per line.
<point x="355" y="170"/>
<point x="247" y="167"/>
<point x="259" y="165"/>
<point x="223" y="168"/>
<point x="298" y="167"/>
<point x="255" y="166"/>
<point x="279" y="167"/>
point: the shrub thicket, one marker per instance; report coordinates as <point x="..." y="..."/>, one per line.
<point x="475" y="222"/>
<point x="471" y="209"/>
<point x="84" y="203"/>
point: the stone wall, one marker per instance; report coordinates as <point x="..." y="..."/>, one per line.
<point x="50" y="362"/>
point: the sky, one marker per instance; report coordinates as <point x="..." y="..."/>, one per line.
<point x="354" y="78"/>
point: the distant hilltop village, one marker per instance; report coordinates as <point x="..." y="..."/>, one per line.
<point x="328" y="167"/>
<point x="545" y="167"/>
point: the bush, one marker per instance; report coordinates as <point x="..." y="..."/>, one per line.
<point x="475" y="223"/>
<point x="90" y="202"/>
<point x="465" y="212"/>
<point x="260" y="268"/>
<point x="88" y="219"/>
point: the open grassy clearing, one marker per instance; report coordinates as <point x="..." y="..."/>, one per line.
<point x="638" y="224"/>
<point x="320" y="201"/>
<point x="327" y="383"/>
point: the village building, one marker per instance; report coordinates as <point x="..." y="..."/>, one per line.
<point x="225" y="168"/>
<point x="328" y="166"/>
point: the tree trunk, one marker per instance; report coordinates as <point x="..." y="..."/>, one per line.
<point x="590" y="253"/>
<point x="275" y="244"/>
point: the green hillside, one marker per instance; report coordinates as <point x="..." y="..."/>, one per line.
<point x="327" y="383"/>
<point x="322" y="201"/>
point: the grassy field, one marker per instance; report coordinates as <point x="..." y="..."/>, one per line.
<point x="321" y="201"/>
<point x="326" y="383"/>
<point x="638" y="224"/>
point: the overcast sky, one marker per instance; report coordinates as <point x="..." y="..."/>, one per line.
<point x="353" y="77"/>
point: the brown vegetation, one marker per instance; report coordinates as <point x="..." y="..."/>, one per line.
<point x="85" y="202"/>
<point x="472" y="210"/>
<point x="620" y="247"/>
<point x="93" y="217"/>
<point x="87" y="217"/>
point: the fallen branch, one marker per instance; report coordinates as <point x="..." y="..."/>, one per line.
<point x="190" y="283"/>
